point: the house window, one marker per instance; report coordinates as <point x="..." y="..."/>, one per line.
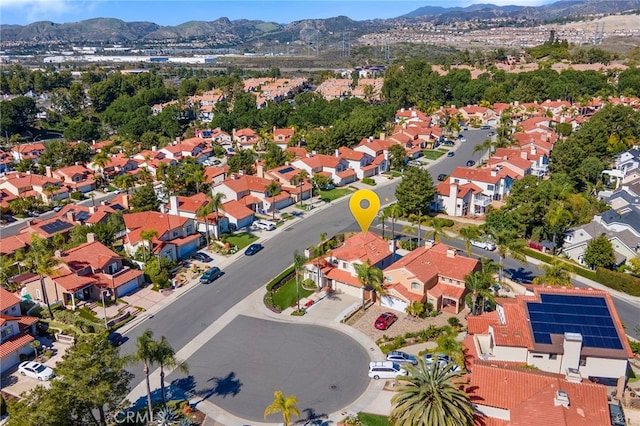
<point x="490" y="187"/>
<point x="6" y="332"/>
<point x="456" y="181"/>
<point x="388" y="278"/>
<point x="415" y="286"/>
<point x="38" y="294"/>
<point x="175" y="233"/>
<point x="537" y="356"/>
<point x="583" y="361"/>
<point x="344" y="265"/>
<point x="553" y="356"/>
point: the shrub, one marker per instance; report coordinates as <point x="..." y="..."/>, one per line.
<point x="619" y="281"/>
<point x="368" y="181"/>
<point x="176" y="404"/>
<point x="454" y="322"/>
<point x="635" y="346"/>
<point x="76" y="195"/>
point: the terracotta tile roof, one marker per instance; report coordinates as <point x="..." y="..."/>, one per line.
<point x="479" y="324"/>
<point x="73" y="282"/>
<point x="116" y="280"/>
<point x="12" y="243"/>
<point x="361" y="247"/>
<point x="529" y="395"/>
<point x="94" y="254"/>
<point x="425" y="263"/>
<point x="211" y="173"/>
<point x="343" y="277"/>
<point x="193" y="203"/>
<point x="299" y="152"/>
<point x="350" y="154"/>
<point x="161" y="222"/>
<point x="405" y="293"/>
<point x="477" y="175"/>
<point x="241" y="183"/>
<point x="318" y="161"/>
<point x="442" y="289"/>
<point x="7" y="299"/>
<point x="347" y="173"/>
<point x="25" y="321"/>
<point x="13" y="343"/>
<point x="236" y="209"/>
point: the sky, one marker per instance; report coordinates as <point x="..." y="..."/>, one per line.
<point x="171" y="12"/>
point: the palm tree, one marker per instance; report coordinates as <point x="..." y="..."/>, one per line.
<point x="431" y="396"/>
<point x="165" y="356"/>
<point x="395" y="211"/>
<point x="41" y="258"/>
<point x="509" y="245"/>
<point x="101" y="159"/>
<point x="371" y="278"/>
<point x="146" y="352"/>
<point x="147" y="236"/>
<point x="558" y="218"/>
<point x="417" y="219"/>
<point x="273" y="189"/>
<point x="450" y="346"/>
<point x="50" y="189"/>
<point x="285" y="405"/>
<point x="298" y="262"/>
<point x="476" y="283"/>
<point x="301" y="178"/>
<point x="555" y="274"/>
<point x="437" y="224"/>
<point x="382" y="216"/>
<point x="203" y="212"/>
<point x="415" y="308"/>
<point x="216" y="205"/>
<point x="469" y="233"/>
<point x="485" y="146"/>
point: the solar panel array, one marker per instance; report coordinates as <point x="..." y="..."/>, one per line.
<point x="587" y="315"/>
<point x="57" y="226"/>
<point x="286" y="170"/>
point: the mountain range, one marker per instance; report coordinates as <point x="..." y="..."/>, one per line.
<point x="225" y="33"/>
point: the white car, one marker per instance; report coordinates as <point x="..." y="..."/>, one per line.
<point x="35" y="370"/>
<point x="487" y="245"/>
<point x="386" y="370"/>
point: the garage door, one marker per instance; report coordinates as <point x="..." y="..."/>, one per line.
<point x="393" y="303"/>
<point x="188" y="248"/>
<point x="9" y="361"/>
<point x="127" y="288"/>
<point x="348" y="289"/>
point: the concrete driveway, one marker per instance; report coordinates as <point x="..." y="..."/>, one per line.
<point x="240" y="368"/>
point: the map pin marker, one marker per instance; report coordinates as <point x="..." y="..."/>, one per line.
<point x="364" y="205"/>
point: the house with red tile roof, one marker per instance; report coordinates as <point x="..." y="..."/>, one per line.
<point x="556" y="330"/>
<point x="25" y="185"/>
<point x="245" y="138"/>
<point x="336" y="168"/>
<point x="432" y="274"/>
<point x="16" y="331"/>
<point x="76" y="177"/>
<point x="177" y="236"/>
<point x="411" y="115"/>
<point x="189" y="206"/>
<point x="188" y="148"/>
<point x="508" y="395"/>
<point x="338" y="267"/>
<point x="12" y="243"/>
<point x="82" y="273"/>
<point x="239" y="215"/>
<point x="289" y="177"/>
<point x="513" y="159"/>
<point x="360" y="162"/>
<point x="335" y="88"/>
<point x="27" y="151"/>
<point x="541" y="142"/>
<point x="252" y="192"/>
<point x="215" y="175"/>
<point x="47" y="228"/>
<point x="6" y="162"/>
<point x="118" y="164"/>
<point x="282" y="137"/>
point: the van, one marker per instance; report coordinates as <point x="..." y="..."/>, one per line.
<point x="487" y="245"/>
<point x="386" y="370"/>
<point x="264" y="225"/>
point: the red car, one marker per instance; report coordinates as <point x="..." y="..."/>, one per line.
<point x="385" y="320"/>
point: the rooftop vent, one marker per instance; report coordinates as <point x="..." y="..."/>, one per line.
<point x="573" y="375"/>
<point x="561" y="399"/>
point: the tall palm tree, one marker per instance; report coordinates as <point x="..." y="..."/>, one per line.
<point x="555" y="274"/>
<point x="165" y="356"/>
<point x="146" y="352"/>
<point x="298" y="263"/>
<point x="431" y="396"/>
<point x="147" y="236"/>
<point x="101" y="159"/>
<point x="40" y="257"/>
<point x="485" y="146"/>
<point x="371" y="278"/>
<point x="301" y="178"/>
<point x="558" y="219"/>
<point x="382" y="216"/>
<point x="469" y="233"/>
<point x="510" y="245"/>
<point x="203" y="212"/>
<point x="216" y="205"/>
<point x="450" y="346"/>
<point x="273" y="189"/>
<point x="475" y="282"/>
<point x="395" y="211"/>
<point x="287" y="405"/>
<point x="436" y="225"/>
<point x="50" y="189"/>
<point x="417" y="220"/>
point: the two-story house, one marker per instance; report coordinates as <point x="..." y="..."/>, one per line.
<point x="252" y="192"/>
<point x="76" y="177"/>
<point x="335" y="168"/>
<point x="27" y="151"/>
<point x="16" y="331"/>
<point x="245" y="138"/>
<point x="25" y="185"/>
<point x="337" y="269"/>
<point x="191" y="206"/>
<point x="282" y="137"/>
<point x="559" y="330"/>
<point x="360" y="162"/>
<point x="625" y="244"/>
<point x="289" y="177"/>
<point x="431" y="274"/>
<point x="176" y="238"/>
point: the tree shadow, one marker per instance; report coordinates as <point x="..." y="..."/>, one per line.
<point x="519" y="275"/>
<point x="311" y="418"/>
<point x="222" y="386"/>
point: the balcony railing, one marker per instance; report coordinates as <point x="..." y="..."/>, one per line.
<point x="482" y="201"/>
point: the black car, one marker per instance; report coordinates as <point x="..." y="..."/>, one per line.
<point x="442" y="177"/>
<point x="253" y="249"/>
<point x="202" y="257"/>
<point x="450" y="154"/>
<point x="210" y="275"/>
<point x="115" y="339"/>
<point x="471" y="163"/>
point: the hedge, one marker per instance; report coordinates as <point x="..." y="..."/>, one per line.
<point x="619" y="281"/>
<point x="280" y="277"/>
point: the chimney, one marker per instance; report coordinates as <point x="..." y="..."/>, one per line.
<point x="573" y="375"/>
<point x="92" y="210"/>
<point x="70" y="216"/>
<point x="337" y="152"/>
<point x="57" y="253"/>
<point x="163" y="208"/>
<point x="234" y="176"/>
<point x="451" y="253"/>
<point x="93" y="142"/>
<point x="314" y="152"/>
<point x="48" y="172"/>
<point x="260" y="170"/>
<point x="561" y="399"/>
<point x="125" y="201"/>
<point x="494" y="172"/>
<point x="533" y="150"/>
<point x="383" y="136"/>
<point x="523" y="155"/>
<point x="154" y="148"/>
<point x="173" y="205"/>
<point x="370" y="138"/>
<point x="572" y="346"/>
<point x="91" y="237"/>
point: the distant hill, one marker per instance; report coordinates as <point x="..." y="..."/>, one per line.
<point x="225" y="33"/>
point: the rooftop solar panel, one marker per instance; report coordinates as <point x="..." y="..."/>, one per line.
<point x="587" y="315"/>
<point x="82" y="216"/>
<point x="286" y="170"/>
<point x="57" y="226"/>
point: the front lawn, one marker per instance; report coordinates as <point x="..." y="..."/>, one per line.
<point x="431" y="154"/>
<point x="241" y="240"/>
<point x="367" y="419"/>
<point x="286" y="295"/>
<point x="334" y="194"/>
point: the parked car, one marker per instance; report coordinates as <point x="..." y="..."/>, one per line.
<point x="386" y="370"/>
<point x="385" y="320"/>
<point x="253" y="249"/>
<point x="202" y="257"/>
<point x="442" y="360"/>
<point x="485" y="127"/>
<point x="401" y="357"/>
<point x="442" y="177"/>
<point x="210" y="275"/>
<point x="450" y="154"/>
<point x="471" y="163"/>
<point x="487" y="245"/>
<point x="115" y="339"/>
<point x="35" y="370"/>
<point x="462" y="138"/>
<point x="57" y="209"/>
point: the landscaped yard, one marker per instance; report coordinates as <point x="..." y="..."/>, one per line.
<point x="367" y="419"/>
<point x="430" y="154"/>
<point x="241" y="240"/>
<point x="286" y="295"/>
<point x="334" y="194"/>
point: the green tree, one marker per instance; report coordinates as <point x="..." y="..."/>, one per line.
<point x="468" y="234"/>
<point x="273" y="190"/>
<point x="41" y="258"/>
<point x="146" y="351"/>
<point x="147" y="237"/>
<point x="145" y="199"/>
<point x="508" y="245"/>
<point x="449" y="345"/>
<point x="395" y="211"/>
<point x="287" y="405"/>
<point x="476" y="283"/>
<point x="243" y="160"/>
<point x="273" y="156"/>
<point x="397" y="156"/>
<point x="431" y="396"/>
<point x="203" y="212"/>
<point x="554" y="274"/>
<point x="415" y="192"/>
<point x="124" y="182"/>
<point x="371" y="278"/>
<point x="165" y="356"/>
<point x="415" y="309"/>
<point x="599" y="253"/>
<point x="298" y="263"/>
<point x="216" y="204"/>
